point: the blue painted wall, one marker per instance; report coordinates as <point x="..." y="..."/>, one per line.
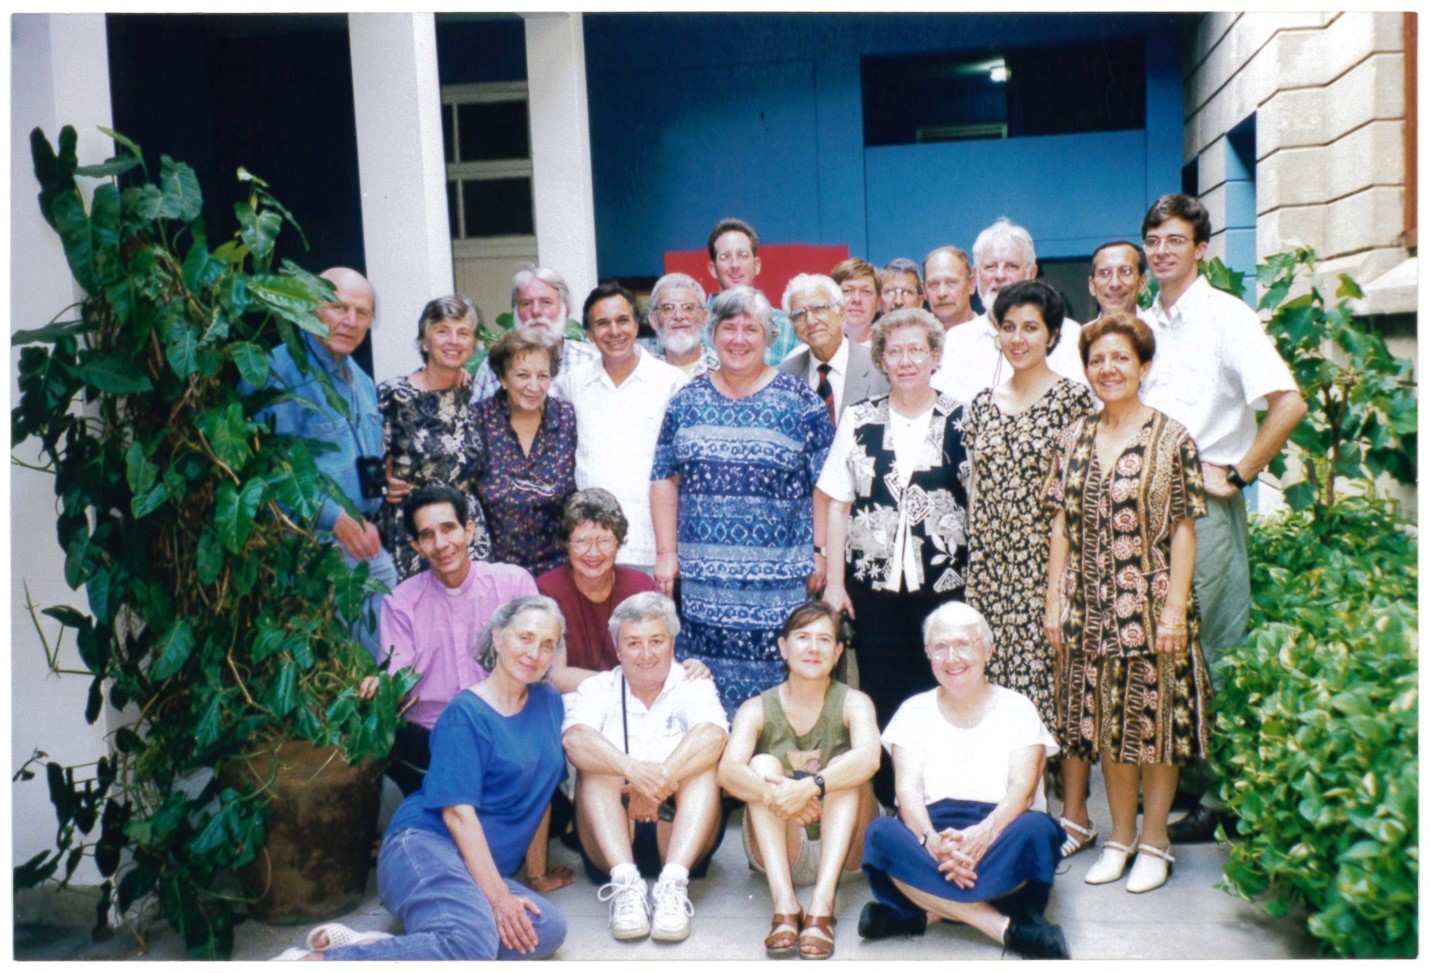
<point x="696" y="117"/>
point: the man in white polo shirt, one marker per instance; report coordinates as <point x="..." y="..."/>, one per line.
<point x="647" y="736"/>
<point x="1215" y="369"/>
<point x="972" y="360"/>
<point x="620" y="402"/>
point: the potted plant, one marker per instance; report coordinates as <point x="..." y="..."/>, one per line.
<point x="215" y="614"/>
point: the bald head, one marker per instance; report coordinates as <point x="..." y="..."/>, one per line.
<point x="349" y="315"/>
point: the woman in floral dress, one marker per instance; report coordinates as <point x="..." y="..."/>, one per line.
<point x="429" y="435"/>
<point x="1126" y="489"/>
<point x="1011" y="432"/>
<point x="894" y="484"/>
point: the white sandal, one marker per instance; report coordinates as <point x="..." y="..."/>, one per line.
<point x="1151" y="868"/>
<point x="341" y="935"/>
<point x="1079" y="838"/>
<point x="1109" y="868"/>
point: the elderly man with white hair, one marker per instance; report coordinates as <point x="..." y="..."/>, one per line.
<point x="1003" y="254"/>
<point x="677" y="316"/>
<point x="540" y="300"/>
<point x="645" y="739"/>
<point x="839" y="370"/>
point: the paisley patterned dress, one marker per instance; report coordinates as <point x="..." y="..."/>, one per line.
<point x="746" y="523"/>
<point x="431" y="437"/>
<point x="1009" y="527"/>
<point x="1115" y="693"/>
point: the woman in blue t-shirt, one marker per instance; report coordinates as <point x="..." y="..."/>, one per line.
<point x="447" y="861"/>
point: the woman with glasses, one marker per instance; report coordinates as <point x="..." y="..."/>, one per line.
<point x="897" y="505"/>
<point x="973" y="842"/>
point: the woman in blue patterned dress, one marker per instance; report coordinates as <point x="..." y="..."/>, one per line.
<point x="732" y="499"/>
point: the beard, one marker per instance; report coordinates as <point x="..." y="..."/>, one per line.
<point x="547" y="326"/>
<point x="680" y="342"/>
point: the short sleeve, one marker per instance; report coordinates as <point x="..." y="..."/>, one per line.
<point x="664" y="465"/>
<point x="1251" y="354"/>
<point x="905" y="729"/>
<point x="458" y="745"/>
<point x="1189" y="497"/>
<point x="819" y="434"/>
<point x="1025" y="726"/>
<point x="1053" y="490"/>
<point x="701" y="703"/>
<point x="837" y="479"/>
<point x="584" y="706"/>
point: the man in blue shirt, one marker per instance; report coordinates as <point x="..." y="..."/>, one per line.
<point x="357" y="436"/>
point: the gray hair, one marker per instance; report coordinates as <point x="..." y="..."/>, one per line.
<point x="903" y="265"/>
<point x="1004" y="231"/>
<point x="903" y="318"/>
<point x="805" y="283"/>
<point x="958" y="614"/>
<point x="674" y="280"/>
<point x="643" y="606"/>
<point x="506" y="614"/>
<point x="742" y="300"/>
<point x="596" y="506"/>
<point x="546" y="275"/>
<point x="453" y="307"/>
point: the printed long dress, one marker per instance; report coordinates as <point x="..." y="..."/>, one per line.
<point x="745" y="528"/>
<point x="1115" y="693"/>
<point x="1009" y="528"/>
<point x="431" y="437"/>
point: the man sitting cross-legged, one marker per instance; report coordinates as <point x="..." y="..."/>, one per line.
<point x="644" y="739"/>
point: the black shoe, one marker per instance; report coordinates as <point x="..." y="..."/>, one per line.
<point x="1035" y="940"/>
<point x="1199" y="826"/>
<point x="878" y="921"/>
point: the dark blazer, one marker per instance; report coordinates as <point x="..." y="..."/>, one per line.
<point x="861" y="380"/>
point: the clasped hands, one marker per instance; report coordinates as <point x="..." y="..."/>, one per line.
<point x="647" y="786"/>
<point x="796" y="801"/>
<point x="958" y="852"/>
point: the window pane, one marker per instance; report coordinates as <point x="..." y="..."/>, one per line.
<point x="498" y="207"/>
<point x="450" y="150"/>
<point x="493" y="130"/>
<point x="452" y="223"/>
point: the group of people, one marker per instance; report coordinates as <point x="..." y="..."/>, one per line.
<point x="1030" y="532"/>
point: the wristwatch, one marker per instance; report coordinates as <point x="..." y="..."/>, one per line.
<point x="1233" y="476"/>
<point x="819" y="782"/>
<point x="821" y="550"/>
<point x="924" y="840"/>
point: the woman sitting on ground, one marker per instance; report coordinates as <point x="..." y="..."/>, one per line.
<point x="448" y="856"/>
<point x="801" y="755"/>
<point x="974" y="843"/>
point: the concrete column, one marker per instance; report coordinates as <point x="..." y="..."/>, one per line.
<point x="561" y="150"/>
<point x="59" y="76"/>
<point x="398" y="107"/>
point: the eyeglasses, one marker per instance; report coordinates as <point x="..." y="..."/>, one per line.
<point x="942" y="651"/>
<point x="818" y="310"/>
<point x="669" y="308"/>
<point x="1125" y="272"/>
<point x="1176" y="242"/>
<point x="899" y="291"/>
<point x="584" y="545"/>
<point x="892" y="356"/>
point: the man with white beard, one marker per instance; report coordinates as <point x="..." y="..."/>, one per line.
<point x="540" y="299"/>
<point x="677" y="315"/>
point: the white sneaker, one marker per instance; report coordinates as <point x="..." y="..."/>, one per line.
<point x="630" y="915"/>
<point x="672" y="909"/>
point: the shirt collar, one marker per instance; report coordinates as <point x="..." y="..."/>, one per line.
<point x="838" y="363"/>
<point x="1186" y="306"/>
<point x="330" y="363"/>
<point x="599" y="375"/>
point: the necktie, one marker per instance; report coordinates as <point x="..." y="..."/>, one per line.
<point x="825" y="390"/>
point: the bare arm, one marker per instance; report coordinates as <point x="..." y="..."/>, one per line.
<point x="836" y="529"/>
<point x="513" y="925"/>
<point x="1172" y="623"/>
<point x="1284" y="411"/>
<point x="698" y="751"/>
<point x="814" y="584"/>
<point x="1057" y="563"/>
<point x="735" y="774"/>
<point x="664" y="514"/>
<point x="857" y="764"/>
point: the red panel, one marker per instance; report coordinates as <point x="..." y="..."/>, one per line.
<point x="779" y="262"/>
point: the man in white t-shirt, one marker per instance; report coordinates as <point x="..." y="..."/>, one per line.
<point x="646" y="735"/>
<point x="972" y="361"/>
<point x="1214" y="369"/>
<point x="620" y="402"/>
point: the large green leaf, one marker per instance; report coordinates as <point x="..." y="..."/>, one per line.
<point x="181" y="346"/>
<point x="182" y="199"/>
<point x="104" y="235"/>
<point x="252" y="362"/>
<point x="234" y="512"/>
<point x="258" y="229"/>
<point x="172" y="650"/>
<point x="288" y="297"/>
<point x="73" y="226"/>
<point x="115" y="374"/>
<point x="50" y="333"/>
<point x="227" y="432"/>
<point x="139" y="472"/>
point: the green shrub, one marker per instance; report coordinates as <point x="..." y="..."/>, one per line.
<point x="1317" y="733"/>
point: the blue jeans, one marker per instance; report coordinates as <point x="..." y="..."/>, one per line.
<point x="423" y="881"/>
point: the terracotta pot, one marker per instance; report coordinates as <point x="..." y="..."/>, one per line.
<point x="315" y="862"/>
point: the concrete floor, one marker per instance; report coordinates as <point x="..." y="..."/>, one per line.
<point x="1189" y="918"/>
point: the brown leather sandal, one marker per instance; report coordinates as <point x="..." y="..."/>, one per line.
<point x="783" y="942"/>
<point x="816" y="937"/>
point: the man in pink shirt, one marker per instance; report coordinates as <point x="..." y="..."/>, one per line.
<point x="432" y="622"/>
